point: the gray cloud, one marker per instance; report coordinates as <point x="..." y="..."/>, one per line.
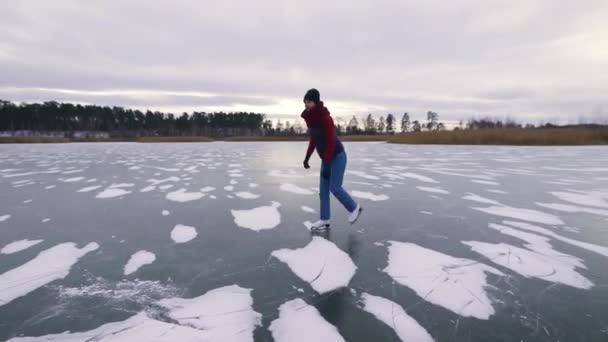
<point x="530" y="60"/>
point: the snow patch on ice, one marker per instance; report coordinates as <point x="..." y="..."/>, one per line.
<point x="137" y="260"/>
<point x="182" y="195"/>
<point x="456" y="284"/>
<point x="89" y="188"/>
<point x="307" y="209"/>
<point x="182" y="233"/>
<point x="300" y="322"/>
<point x="393" y="315"/>
<point x="111" y="193"/>
<point x="223" y="314"/>
<point x="247" y="195"/>
<point x="295" y="189"/>
<point x="207" y="189"/>
<point x="321" y="264"/>
<point x="363" y="175"/>
<point x="433" y="190"/>
<point x="260" y="218"/>
<point x="419" y="177"/>
<point x="48" y="266"/>
<point x="165" y="213"/>
<point x="480" y="199"/>
<point x="19" y="245"/>
<point x="4" y="217"/>
<point x="573" y="208"/>
<point x="370" y="196"/>
<point x="522" y="214"/>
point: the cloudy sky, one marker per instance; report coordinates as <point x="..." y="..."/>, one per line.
<point x="530" y="60"/>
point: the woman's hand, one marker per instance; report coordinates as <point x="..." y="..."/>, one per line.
<point x="306" y="165"/>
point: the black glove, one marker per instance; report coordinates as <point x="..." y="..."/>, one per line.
<point x="306" y="166"/>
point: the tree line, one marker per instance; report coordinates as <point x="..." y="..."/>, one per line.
<point x="54" y="116"/>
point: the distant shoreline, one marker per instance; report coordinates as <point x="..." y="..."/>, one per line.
<point x="504" y="136"/>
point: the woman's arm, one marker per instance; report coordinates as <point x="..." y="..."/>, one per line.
<point x="329" y="132"/>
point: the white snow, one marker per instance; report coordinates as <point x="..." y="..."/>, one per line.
<point x="89" y="188"/>
<point x="182" y="233"/>
<point x="419" y="177"/>
<point x="72" y="180"/>
<point x="4" y="217"/>
<point x="522" y="214"/>
<point x="50" y="265"/>
<point x="165" y="212"/>
<point x="159" y="181"/>
<point x="591" y="198"/>
<point x="148" y="188"/>
<point x="308" y="209"/>
<point x="260" y="218"/>
<point x="496" y="191"/>
<point x="581" y="244"/>
<point x="321" y="264"/>
<point x="285" y="174"/>
<point x="182" y="195"/>
<point x="136" y="328"/>
<point x="295" y="189"/>
<point x="137" y="260"/>
<point x="45" y="220"/>
<point x="393" y="315"/>
<point x="432" y="190"/>
<point x="121" y="185"/>
<point x="531" y="264"/>
<point x="229" y="188"/>
<point x="207" y="189"/>
<point x="233" y="182"/>
<point x="253" y="185"/>
<point x="370" y="196"/>
<point x="167" y="186"/>
<point x="363" y="175"/>
<point x="573" y="208"/>
<point x="48" y="187"/>
<point x="224" y="314"/>
<point x="456" y="284"/>
<point x="300" y="322"/>
<point x="480" y="199"/>
<point x="19" y="245"/>
<point x="246" y="195"/>
<point x="484" y="182"/>
<point x="426" y="212"/>
<point x="111" y="193"/>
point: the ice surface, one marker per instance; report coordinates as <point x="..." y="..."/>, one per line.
<point x="285" y="174"/>
<point x="531" y="264"/>
<point x="522" y="214"/>
<point x="50" y="265"/>
<point x="433" y="190"/>
<point x="137" y="260"/>
<point x="456" y="284"/>
<point x="260" y="218"/>
<point x="148" y="188"/>
<point x="253" y="185"/>
<point x="17" y="246"/>
<point x="300" y="322"/>
<point x="370" y="196"/>
<point x="224" y="314"/>
<point x="295" y="189"/>
<point x="321" y="264"/>
<point x="182" y="195"/>
<point x="90" y="188"/>
<point x="393" y="315"/>
<point x="182" y="233"/>
<point x="111" y="193"/>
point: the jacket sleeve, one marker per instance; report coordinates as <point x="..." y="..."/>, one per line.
<point x="329" y="132"/>
<point x="311" y="148"/>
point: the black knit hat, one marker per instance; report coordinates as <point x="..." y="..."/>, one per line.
<point x="313" y="95"/>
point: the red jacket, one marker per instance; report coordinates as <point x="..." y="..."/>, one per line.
<point x="322" y="133"/>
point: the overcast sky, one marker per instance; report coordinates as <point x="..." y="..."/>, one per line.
<point x="530" y="60"/>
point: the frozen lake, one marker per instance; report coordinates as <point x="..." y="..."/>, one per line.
<point x="208" y="242"/>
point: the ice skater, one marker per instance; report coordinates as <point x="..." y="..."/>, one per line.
<point x="323" y="138"/>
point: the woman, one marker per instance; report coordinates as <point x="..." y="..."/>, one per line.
<point x="323" y="138"/>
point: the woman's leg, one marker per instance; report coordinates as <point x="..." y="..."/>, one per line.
<point x="324" y="191"/>
<point x="338" y="166"/>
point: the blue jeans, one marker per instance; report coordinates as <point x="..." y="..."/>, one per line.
<point x="332" y="175"/>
